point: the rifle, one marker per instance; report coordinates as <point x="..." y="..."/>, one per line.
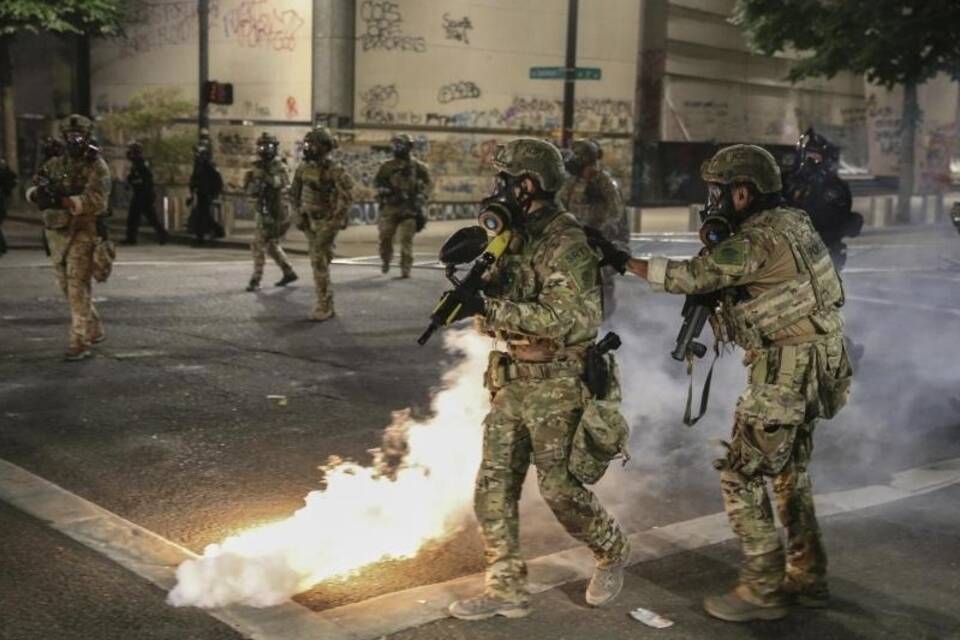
<point x="697" y="309"/>
<point x="469" y="244"/>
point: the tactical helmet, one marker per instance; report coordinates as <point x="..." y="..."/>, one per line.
<point x="134" y="150"/>
<point x="76" y="123"/>
<point x="402" y="139"/>
<point x="812" y="142"/>
<point x="586" y="151"/>
<point x="530" y="156"/>
<point x="267" y="146"/>
<point x="744" y="163"/>
<point x="322" y="135"/>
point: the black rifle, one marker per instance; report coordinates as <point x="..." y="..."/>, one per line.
<point x="467" y="244"/>
<point x="697" y="309"/>
<point x="596" y="370"/>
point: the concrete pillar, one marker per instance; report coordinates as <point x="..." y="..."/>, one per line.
<point x="333" y="61"/>
<point x="648" y="101"/>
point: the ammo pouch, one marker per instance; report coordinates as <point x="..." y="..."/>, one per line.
<point x="768" y="417"/>
<point x="834" y="375"/>
<point x="56" y="218"/>
<point x="496" y="376"/>
<point x="602" y="433"/>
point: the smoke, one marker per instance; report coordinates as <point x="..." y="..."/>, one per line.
<point x="365" y="513"/>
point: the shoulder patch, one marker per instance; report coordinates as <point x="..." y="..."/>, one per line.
<point x="731" y="253"/>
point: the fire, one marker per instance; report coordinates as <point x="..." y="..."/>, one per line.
<point x="362" y="516"/>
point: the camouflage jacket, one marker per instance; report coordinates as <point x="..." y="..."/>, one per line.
<point x="86" y="181"/>
<point x="403" y="184"/>
<point x="545" y="289"/>
<point x="322" y="190"/>
<point x="266" y="184"/>
<point x="777" y="279"/>
<point x="596" y="202"/>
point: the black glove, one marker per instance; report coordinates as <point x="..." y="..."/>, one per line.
<point x="616" y="258"/>
<point x="470" y="305"/>
<point x="421" y="219"/>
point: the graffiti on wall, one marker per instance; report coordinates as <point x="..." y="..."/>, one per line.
<point x="383" y="28"/>
<point x="257" y="23"/>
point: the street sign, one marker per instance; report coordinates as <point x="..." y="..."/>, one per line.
<point x="559" y="73"/>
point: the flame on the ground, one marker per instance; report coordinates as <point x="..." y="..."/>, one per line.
<point x="365" y="513"/>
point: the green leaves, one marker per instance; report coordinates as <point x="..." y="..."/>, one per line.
<point x="891" y="42"/>
<point x="89" y="17"/>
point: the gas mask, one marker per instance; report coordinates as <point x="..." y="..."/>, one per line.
<point x="314" y="151"/>
<point x="572" y="163"/>
<point x="76" y="143"/>
<point x="502" y="209"/>
<point x="401" y="151"/>
<point x="718" y="218"/>
<point x="266" y="151"/>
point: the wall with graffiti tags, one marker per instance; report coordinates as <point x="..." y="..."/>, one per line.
<point x="467" y="65"/>
<point x="263" y="47"/>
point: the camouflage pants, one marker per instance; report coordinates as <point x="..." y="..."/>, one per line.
<point x="393" y="222"/>
<point x="263" y="245"/>
<point x="74" y="272"/>
<point x="773" y="439"/>
<point x="321" y="235"/>
<point x="535" y="419"/>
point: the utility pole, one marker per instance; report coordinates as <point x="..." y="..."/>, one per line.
<point x="570" y="75"/>
<point x="203" y="15"/>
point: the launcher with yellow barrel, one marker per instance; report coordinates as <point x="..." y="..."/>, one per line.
<point x="466" y="245"/>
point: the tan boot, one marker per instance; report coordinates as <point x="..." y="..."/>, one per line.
<point x="76" y="353"/>
<point x="605" y="585"/>
<point x="483" y="606"/>
<point x="319" y="315"/>
<point x="742" y="605"/>
<point x="814" y="594"/>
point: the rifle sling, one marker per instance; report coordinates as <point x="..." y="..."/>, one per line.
<point x="704" y="396"/>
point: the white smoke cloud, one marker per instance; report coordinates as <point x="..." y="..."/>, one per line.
<point x="361" y="516"/>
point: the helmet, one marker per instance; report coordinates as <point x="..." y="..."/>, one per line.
<point x="134" y="150"/>
<point x="77" y="132"/>
<point x="267" y="146"/>
<point x="402" y="139"/>
<point x="315" y="140"/>
<point x="744" y="163"/>
<point x="530" y="156"/>
<point x="586" y="151"/>
<point x="812" y="142"/>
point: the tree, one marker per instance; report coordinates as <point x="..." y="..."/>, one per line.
<point x="80" y="17"/>
<point x="891" y="42"/>
<point x="147" y="118"/>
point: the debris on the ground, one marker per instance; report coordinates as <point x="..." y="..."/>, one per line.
<point x="278" y="401"/>
<point x="650" y="618"/>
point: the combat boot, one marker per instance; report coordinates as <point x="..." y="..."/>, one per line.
<point x="605" y="585"/>
<point x="483" y="606"/>
<point x="814" y="595"/>
<point x="319" y="315"/>
<point x="742" y="605"/>
<point x="385" y="267"/>
<point x="288" y="277"/>
<point x="76" y="353"/>
<point x="97" y="336"/>
<point x="254" y="284"/>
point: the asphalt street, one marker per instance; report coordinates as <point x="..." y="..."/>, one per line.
<point x="171" y="426"/>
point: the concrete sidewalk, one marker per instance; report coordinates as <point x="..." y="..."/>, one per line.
<point x="893" y="574"/>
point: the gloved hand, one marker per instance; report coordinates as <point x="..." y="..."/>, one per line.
<point x="616" y="258"/>
<point x="470" y="306"/>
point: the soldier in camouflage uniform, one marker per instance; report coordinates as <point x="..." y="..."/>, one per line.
<point x="321" y="194"/>
<point x="72" y="191"/>
<point x="780" y="301"/>
<point x="543" y="302"/>
<point x="266" y="183"/>
<point x="403" y="186"/>
<point x="591" y="194"/>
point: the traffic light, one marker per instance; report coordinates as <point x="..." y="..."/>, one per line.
<point x="219" y="92"/>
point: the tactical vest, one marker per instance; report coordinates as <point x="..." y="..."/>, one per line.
<point x="815" y="293"/>
<point x="318" y="189"/>
<point x="517" y="281"/>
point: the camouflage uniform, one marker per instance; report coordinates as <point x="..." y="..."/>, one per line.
<point x="780" y="302"/>
<point x="543" y="300"/>
<point x="404" y="186"/>
<point x="71" y="232"/>
<point x="321" y="193"/>
<point x="266" y="183"/>
<point x="596" y="202"/>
